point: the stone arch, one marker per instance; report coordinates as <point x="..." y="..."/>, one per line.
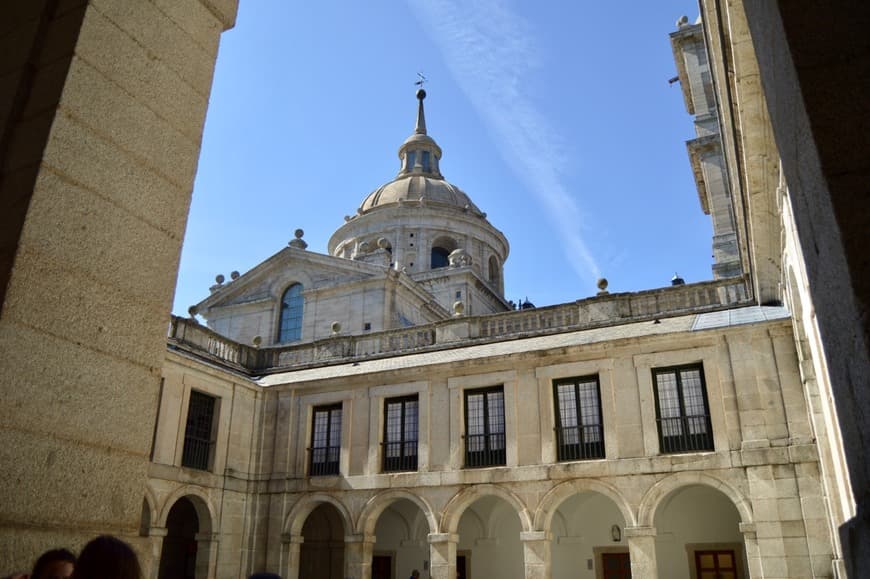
<point x="561" y="492"/>
<point x="295" y="519"/>
<point x="440" y="250"/>
<point x="201" y="502"/>
<point x="660" y="490"/>
<point x="149" y="513"/>
<point x="464" y="498"/>
<point x="376" y="505"/>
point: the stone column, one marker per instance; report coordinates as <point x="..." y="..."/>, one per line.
<point x="155" y="537"/>
<point x="753" y="557"/>
<point x="291" y="549"/>
<point x="206" y="554"/>
<point x="358" y="556"/>
<point x="442" y="555"/>
<point x="536" y="554"/>
<point x="642" y="551"/>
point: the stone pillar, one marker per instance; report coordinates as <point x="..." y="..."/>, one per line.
<point x="206" y="554"/>
<point x="442" y="555"/>
<point x="536" y="554"/>
<point x="291" y="549"/>
<point x="103" y="105"/>
<point x="358" y="556"/>
<point x="155" y="537"/>
<point x="753" y="557"/>
<point x="642" y="551"/>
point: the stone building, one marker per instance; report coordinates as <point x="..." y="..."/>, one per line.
<point x="710" y="428"/>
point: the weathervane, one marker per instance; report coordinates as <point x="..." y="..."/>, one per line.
<point x="421" y="80"/>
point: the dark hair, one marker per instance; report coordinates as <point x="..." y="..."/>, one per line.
<point x="107" y="557"/>
<point x="50" y="557"/>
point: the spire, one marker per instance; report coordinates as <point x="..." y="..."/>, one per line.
<point x="421" y="118"/>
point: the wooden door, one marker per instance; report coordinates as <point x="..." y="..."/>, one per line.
<point x="716" y="564"/>
<point x="616" y="565"/>
<point x="382" y="566"/>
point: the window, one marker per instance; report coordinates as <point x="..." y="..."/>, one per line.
<point x="199" y="432"/>
<point x="716" y="564"/>
<point x="579" y="432"/>
<point x="409" y="165"/>
<point x="325" y="440"/>
<point x="291" y="314"/>
<point x="400" y="433"/>
<point x="484" y="427"/>
<point x="424" y="158"/>
<point x="682" y="412"/>
<point x="440" y="257"/>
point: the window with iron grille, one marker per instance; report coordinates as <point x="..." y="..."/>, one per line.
<point x="579" y="431"/>
<point x="325" y="440"/>
<point x="682" y="412"/>
<point x="401" y="421"/>
<point x="292" y="305"/>
<point x="484" y="427"/>
<point x="199" y="432"/>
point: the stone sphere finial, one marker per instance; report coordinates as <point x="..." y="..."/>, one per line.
<point x="257" y="341"/>
<point x="192" y="311"/>
<point x="458" y="308"/>
<point x="336" y="328"/>
<point x="421" y="94"/>
<point x="219" y="278"/>
<point x="234" y="275"/>
<point x="383" y="243"/>
<point x="682" y="21"/>
<point x="298" y="241"/>
<point x="602" y="286"/>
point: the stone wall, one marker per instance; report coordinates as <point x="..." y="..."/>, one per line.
<point x="101" y="117"/>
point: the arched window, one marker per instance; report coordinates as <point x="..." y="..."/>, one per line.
<point x="439" y="257"/>
<point x="291" y="314"/>
<point x="493" y="270"/>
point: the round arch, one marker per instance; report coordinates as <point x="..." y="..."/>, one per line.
<point x="464" y="498"/>
<point x="373" y="508"/>
<point x="295" y="519"/>
<point x="654" y="496"/>
<point x="204" y="509"/>
<point x="561" y="492"/>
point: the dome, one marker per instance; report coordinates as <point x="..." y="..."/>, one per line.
<point x="419" y="189"/>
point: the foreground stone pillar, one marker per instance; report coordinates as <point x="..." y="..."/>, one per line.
<point x="536" y="554"/>
<point x="642" y="551"/>
<point x="291" y="550"/>
<point x="442" y="555"/>
<point x="358" y="556"/>
<point x="103" y="106"/>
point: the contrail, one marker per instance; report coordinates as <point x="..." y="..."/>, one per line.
<point x="490" y="52"/>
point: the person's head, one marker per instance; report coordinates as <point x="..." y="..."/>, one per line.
<point x="415" y="574"/>
<point x="107" y="558"/>
<point x="54" y="564"/>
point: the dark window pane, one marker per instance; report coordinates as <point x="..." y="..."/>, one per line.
<point x="198" y="432"/>
<point x="400" y="434"/>
<point x="579" y="432"/>
<point x="292" y="305"/>
<point x="681" y="410"/>
<point x="485" y="427"/>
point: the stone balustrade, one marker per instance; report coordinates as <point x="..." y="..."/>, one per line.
<point x="598" y="311"/>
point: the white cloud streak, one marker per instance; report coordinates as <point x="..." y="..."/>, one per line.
<point x="490" y="52"/>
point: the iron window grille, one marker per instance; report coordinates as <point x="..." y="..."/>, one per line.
<point x="682" y="411"/>
<point x="401" y="425"/>
<point x="579" y="430"/>
<point x="325" y="448"/>
<point x="484" y="427"/>
<point x="198" y="433"/>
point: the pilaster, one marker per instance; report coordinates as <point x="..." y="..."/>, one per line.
<point x="642" y="551"/>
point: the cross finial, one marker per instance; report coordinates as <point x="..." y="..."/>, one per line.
<point x="421" y="80"/>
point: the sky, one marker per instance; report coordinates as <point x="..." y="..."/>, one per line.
<point x="556" y="117"/>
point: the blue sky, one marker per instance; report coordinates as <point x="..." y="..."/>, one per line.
<point x="556" y="117"/>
